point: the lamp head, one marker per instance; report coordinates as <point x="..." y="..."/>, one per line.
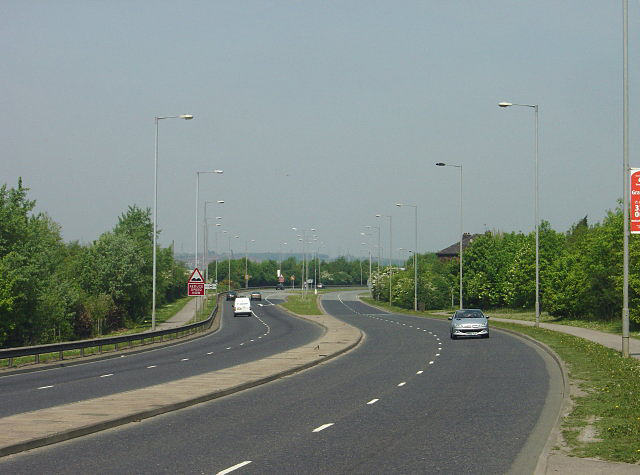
<point x="440" y="164"/>
<point x="505" y="104"/>
<point x="186" y="116"/>
<point x="220" y="202"/>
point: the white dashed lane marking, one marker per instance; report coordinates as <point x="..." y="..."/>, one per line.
<point x="235" y="467"/>
<point x="106" y="375"/>
<point x="322" y="427"/>
<point x="373" y="401"/>
<point x="45" y="387"/>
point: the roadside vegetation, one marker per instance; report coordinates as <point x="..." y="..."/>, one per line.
<point x="340" y="271"/>
<point x="51" y="291"/>
<point x="300" y="305"/>
<point x="605" y="419"/>
<point x="580" y="276"/>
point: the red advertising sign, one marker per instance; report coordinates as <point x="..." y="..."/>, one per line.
<point x="195" y="286"/>
<point x="635" y="200"/>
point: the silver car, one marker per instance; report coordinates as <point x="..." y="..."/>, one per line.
<point x="469" y="323"/>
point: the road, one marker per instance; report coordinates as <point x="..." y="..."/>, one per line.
<point x="406" y="400"/>
<point x="239" y="340"/>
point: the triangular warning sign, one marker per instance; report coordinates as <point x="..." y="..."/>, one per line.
<point x="196" y="276"/>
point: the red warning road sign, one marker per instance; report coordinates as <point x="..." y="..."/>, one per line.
<point x="195" y="285"/>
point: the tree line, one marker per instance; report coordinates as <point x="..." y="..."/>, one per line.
<point x="52" y="291"/>
<point x="340" y="271"/>
<point x="580" y="273"/>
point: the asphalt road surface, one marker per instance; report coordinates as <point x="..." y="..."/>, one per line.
<point x="406" y="400"/>
<point x="239" y="340"/>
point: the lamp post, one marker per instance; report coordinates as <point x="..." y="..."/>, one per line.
<point x="440" y="164"/>
<point x="379" y="248"/>
<point x="536" y="206"/>
<point x="197" y="201"/>
<point x="246" y="275"/>
<point x="280" y="263"/>
<point x="229" y="275"/>
<point x="625" y="179"/>
<point x="205" y="246"/>
<point x="217" y="251"/>
<point x="303" y="238"/>
<point x="415" y="255"/>
<point x="390" y="249"/>
<point x="155" y="210"/>
<point x="368" y="249"/>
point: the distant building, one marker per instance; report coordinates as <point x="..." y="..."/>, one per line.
<point x="452" y="252"/>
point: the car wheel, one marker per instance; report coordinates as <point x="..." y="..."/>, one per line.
<point x="452" y="336"/>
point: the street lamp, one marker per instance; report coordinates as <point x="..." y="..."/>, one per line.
<point x="440" y="164"/>
<point x="217" y="250"/>
<point x="368" y="249"/>
<point x="246" y="275"/>
<point x="229" y="275"/>
<point x="303" y="239"/>
<point x="379" y="248"/>
<point x="415" y="256"/>
<point x="625" y="179"/>
<point x="155" y="211"/>
<point x="390" y="249"/>
<point x="219" y="172"/>
<point x="205" y="246"/>
<point x="536" y="205"/>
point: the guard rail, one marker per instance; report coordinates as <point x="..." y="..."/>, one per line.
<point x="116" y="341"/>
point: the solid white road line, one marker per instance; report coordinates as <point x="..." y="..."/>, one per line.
<point x="235" y="467"/>
<point x="322" y="427"/>
<point x="373" y="401"/>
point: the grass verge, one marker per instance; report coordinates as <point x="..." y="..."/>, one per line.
<point x="302" y="305"/>
<point x="608" y="403"/>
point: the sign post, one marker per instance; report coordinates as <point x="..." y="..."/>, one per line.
<point x="635" y="200"/>
<point x="195" y="285"/>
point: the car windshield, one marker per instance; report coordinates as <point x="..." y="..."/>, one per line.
<point x="469" y="314"/>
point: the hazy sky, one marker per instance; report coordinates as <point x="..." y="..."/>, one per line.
<point x="321" y="114"/>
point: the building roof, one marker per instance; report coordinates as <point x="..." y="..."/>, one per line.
<point x="454" y="249"/>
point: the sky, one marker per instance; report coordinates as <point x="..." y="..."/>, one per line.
<point x="321" y="114"/>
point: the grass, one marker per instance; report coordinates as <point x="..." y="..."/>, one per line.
<point x="302" y="306"/>
<point x="609" y="398"/>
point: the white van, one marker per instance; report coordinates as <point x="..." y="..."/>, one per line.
<point x="241" y="306"/>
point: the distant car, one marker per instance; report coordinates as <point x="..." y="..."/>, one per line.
<point x="280" y="286"/>
<point x="469" y="323"/>
<point x="231" y="295"/>
<point x="320" y="286"/>
<point x="241" y="306"/>
<point x="255" y="295"/>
